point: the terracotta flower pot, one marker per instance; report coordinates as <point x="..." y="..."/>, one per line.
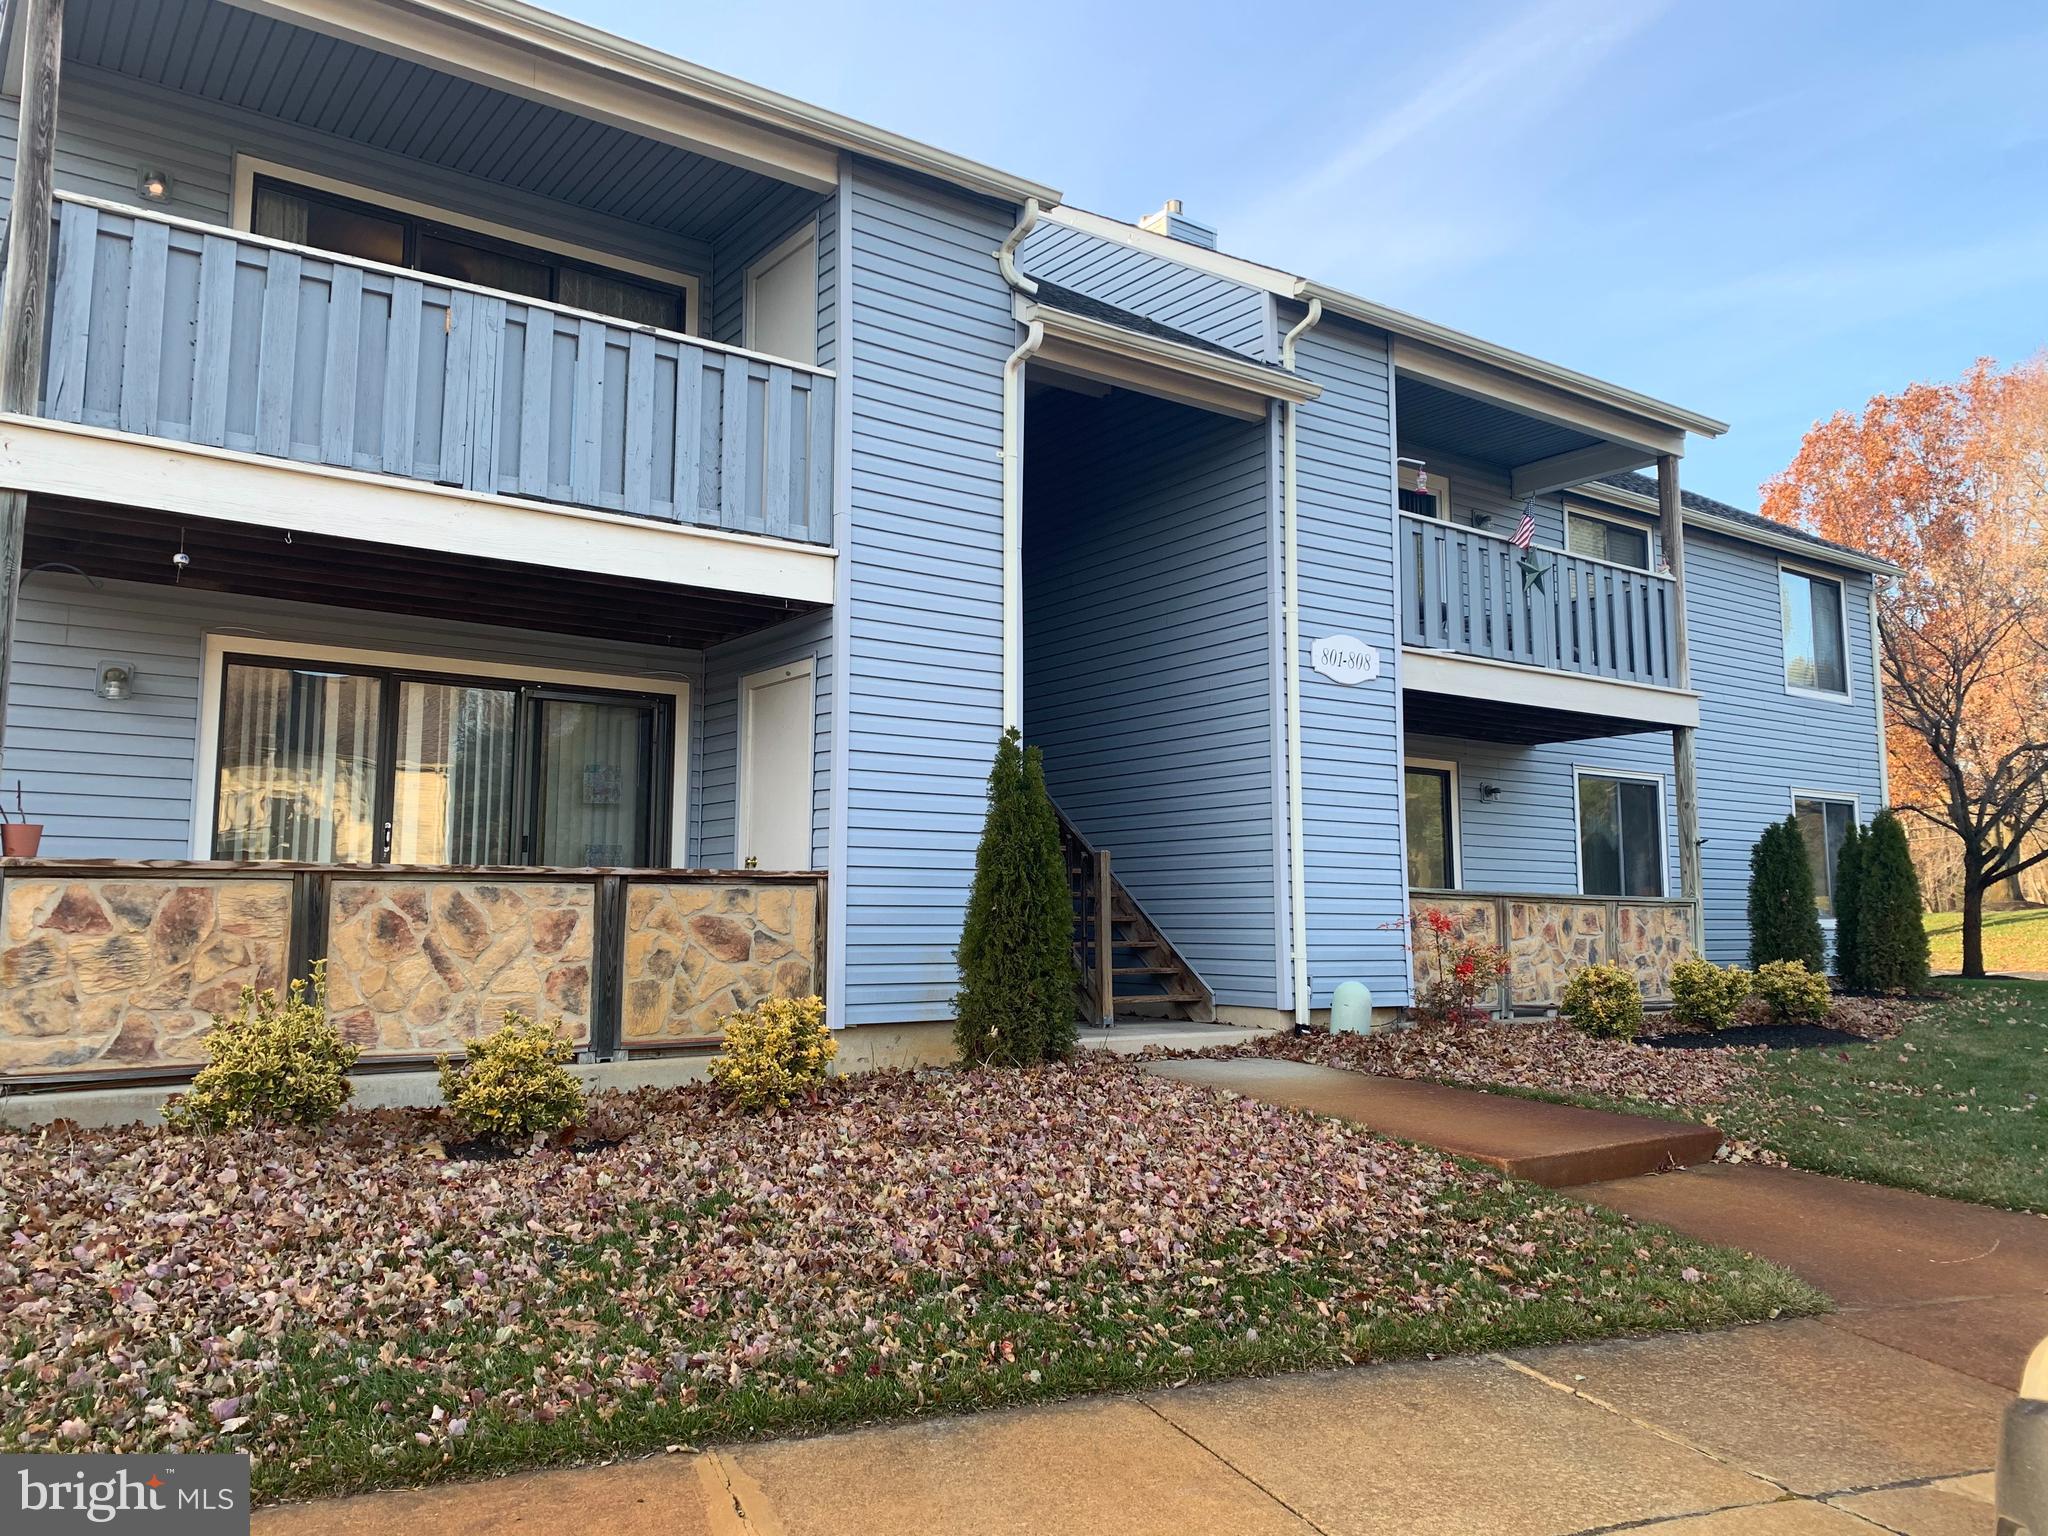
<point x="21" y="839"/>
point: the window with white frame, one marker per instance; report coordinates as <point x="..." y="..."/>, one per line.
<point x="1621" y="835"/>
<point x="1824" y="823"/>
<point x="1816" y="638"/>
<point x="1603" y="538"/>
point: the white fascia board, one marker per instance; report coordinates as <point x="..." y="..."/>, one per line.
<point x="533" y="52"/>
<point x="1478" y="677"/>
<point x="93" y="464"/>
<point x="1788" y="542"/>
<point x="1122" y="356"/>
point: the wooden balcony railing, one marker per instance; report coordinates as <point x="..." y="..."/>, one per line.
<point x="1464" y="590"/>
<point x="172" y="329"/>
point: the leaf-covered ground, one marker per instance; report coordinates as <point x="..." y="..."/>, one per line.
<point x="1948" y="1097"/>
<point x="354" y="1308"/>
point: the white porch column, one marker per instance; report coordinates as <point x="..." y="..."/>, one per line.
<point x="24" y="289"/>
<point x="1684" y="759"/>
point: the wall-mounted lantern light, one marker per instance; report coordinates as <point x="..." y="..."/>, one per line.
<point x="155" y="186"/>
<point x="115" y="682"/>
<point x="1489" y="793"/>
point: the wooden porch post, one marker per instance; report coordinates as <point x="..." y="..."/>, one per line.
<point x="24" y="289"/>
<point x="1684" y="761"/>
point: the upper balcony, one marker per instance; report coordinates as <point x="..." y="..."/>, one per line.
<point x="352" y="270"/>
<point x="1472" y="592"/>
<point x="173" y="329"/>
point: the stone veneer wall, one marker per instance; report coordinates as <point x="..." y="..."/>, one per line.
<point x="127" y="971"/>
<point x="421" y="965"/>
<point x="1549" y="937"/>
<point x="696" y="952"/>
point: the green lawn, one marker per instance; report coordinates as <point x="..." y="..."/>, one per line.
<point x="2013" y="941"/>
<point x="1953" y="1106"/>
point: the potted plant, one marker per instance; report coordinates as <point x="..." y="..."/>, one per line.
<point x="19" y="837"/>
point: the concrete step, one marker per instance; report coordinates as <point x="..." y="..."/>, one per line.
<point x="1556" y="1145"/>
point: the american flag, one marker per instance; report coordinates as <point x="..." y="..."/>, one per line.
<point x="1525" y="530"/>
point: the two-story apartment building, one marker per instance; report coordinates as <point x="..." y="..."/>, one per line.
<point x="536" y="523"/>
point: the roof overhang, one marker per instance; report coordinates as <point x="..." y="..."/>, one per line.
<point x="1426" y="339"/>
<point x="1788" y="542"/>
<point x="521" y="48"/>
<point x="1507" y="701"/>
<point x="1108" y="354"/>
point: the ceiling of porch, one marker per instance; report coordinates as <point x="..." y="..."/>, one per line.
<point x="115" y="543"/>
<point x="1502" y="720"/>
<point x="234" y="57"/>
<point x="1477" y="429"/>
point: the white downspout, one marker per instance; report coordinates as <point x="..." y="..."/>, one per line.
<point x="1290" y="607"/>
<point x="1013" y="473"/>
<point x="1013" y="524"/>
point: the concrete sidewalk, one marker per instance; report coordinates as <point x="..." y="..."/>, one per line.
<point x="1549" y="1144"/>
<point x="1797" y="1429"/>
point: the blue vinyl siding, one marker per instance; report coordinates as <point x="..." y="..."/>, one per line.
<point x="1526" y="839"/>
<point x="1757" y="746"/>
<point x="930" y="327"/>
<point x="725" y="668"/>
<point x="1214" y="308"/>
<point x="1757" y="743"/>
<point x="1148" y="663"/>
<point x="115" y="780"/>
<point x="1350" y="739"/>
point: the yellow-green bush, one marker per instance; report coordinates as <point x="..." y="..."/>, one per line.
<point x="515" y="1085"/>
<point x="1794" y="994"/>
<point x="1705" y="995"/>
<point x="773" y="1052"/>
<point x="1604" y="1001"/>
<point x="269" y="1063"/>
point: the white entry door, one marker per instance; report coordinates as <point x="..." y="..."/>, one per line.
<point x="775" y="768"/>
<point x="782" y="300"/>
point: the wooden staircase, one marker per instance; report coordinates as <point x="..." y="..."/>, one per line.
<point x="1127" y="967"/>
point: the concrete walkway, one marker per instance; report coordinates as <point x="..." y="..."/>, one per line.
<point x="1882" y="1418"/>
<point x="1798" y="1429"/>
<point x="1549" y="1144"/>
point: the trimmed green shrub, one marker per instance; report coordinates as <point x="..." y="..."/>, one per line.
<point x="1705" y="995"/>
<point x="515" y="1084"/>
<point x="1891" y="934"/>
<point x="1604" y="1001"/>
<point x="1849" y="968"/>
<point x="774" y="1052"/>
<point x="269" y="1063"/>
<point x="1784" y="923"/>
<point x="1793" y="992"/>
<point x="1016" y="1002"/>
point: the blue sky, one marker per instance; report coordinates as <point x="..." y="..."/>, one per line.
<point x="1764" y="211"/>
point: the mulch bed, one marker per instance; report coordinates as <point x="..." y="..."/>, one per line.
<point x="1769" y="1037"/>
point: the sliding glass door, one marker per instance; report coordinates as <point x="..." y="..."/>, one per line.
<point x="330" y="765"/>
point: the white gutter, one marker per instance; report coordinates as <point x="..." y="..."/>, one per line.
<point x="1013" y="474"/>
<point x="1006" y="253"/>
<point x="1290" y="607"/>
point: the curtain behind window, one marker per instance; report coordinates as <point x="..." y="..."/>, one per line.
<point x="298" y="765"/>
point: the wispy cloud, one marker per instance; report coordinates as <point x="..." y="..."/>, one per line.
<point x="1415" y="160"/>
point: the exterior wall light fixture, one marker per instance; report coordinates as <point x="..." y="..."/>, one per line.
<point x="155" y="186"/>
<point x="115" y="682"/>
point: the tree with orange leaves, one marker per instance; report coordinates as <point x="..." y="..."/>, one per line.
<point x="1950" y="482"/>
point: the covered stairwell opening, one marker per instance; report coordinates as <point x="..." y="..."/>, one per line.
<point x="1150" y="684"/>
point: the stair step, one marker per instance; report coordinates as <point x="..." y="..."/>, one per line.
<point x="1145" y="970"/>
